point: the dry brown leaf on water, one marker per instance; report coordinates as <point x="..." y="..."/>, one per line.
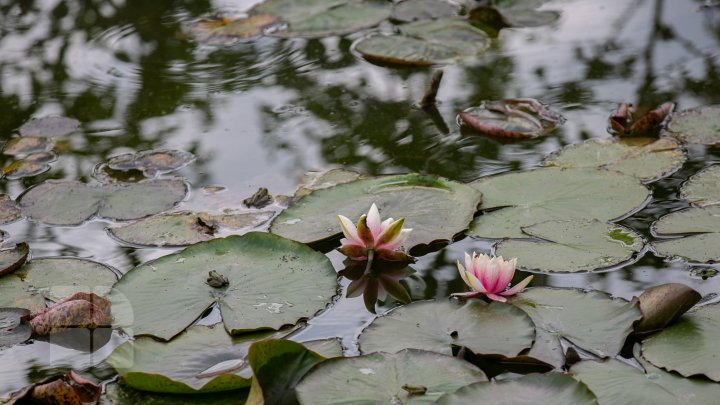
<point x="80" y="310"/>
<point x="69" y="389"/>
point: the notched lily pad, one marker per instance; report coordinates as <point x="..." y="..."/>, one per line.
<point x="646" y="160"/>
<point x="521" y="118"/>
<point x="227" y="30"/>
<point x="12" y="329"/>
<point x="316" y="19"/>
<point x="27" y="145"/>
<point x="407" y="377"/>
<point x="700" y="228"/>
<point x="551" y="388"/>
<point x="436" y="209"/>
<point x="53" y="279"/>
<point x="489" y="329"/>
<point x="688" y="347"/>
<point x="526" y="198"/>
<point x="572" y="246"/>
<point x="425" y="43"/>
<point x="201" y="359"/>
<point x="151" y="162"/>
<point x="184" y="228"/>
<point x="63" y="202"/>
<point x="31" y="165"/>
<point x="590" y="320"/>
<point x="49" y="127"/>
<point x="11" y="258"/>
<point x="700" y="125"/>
<point x="703" y="188"/>
<point x="272" y="282"/>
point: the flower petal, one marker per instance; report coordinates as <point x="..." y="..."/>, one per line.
<point x="364" y="233"/>
<point x="490" y="275"/>
<point x="461" y="269"/>
<point x="389" y="234"/>
<point x="507" y="271"/>
<point x="401" y="238"/>
<point x="475" y="284"/>
<point x="519" y="286"/>
<point x="465" y="294"/>
<point x="496" y="297"/>
<point x="373" y="221"/>
<point x="349" y="230"/>
<point x="392" y="256"/>
<point x="354" y="252"/>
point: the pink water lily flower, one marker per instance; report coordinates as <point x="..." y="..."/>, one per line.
<point x="373" y="237"/>
<point x="489" y="276"/>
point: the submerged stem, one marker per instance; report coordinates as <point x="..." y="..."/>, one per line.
<point x="371" y="256"/>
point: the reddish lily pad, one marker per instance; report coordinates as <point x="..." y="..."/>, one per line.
<point x="151" y="162"/>
<point x="27" y="145"/>
<point x="31" y="165"/>
<point x="521" y="118"/>
<point x="226" y="30"/>
<point x="49" y="127"/>
<point x="12" y="329"/>
<point x="700" y="125"/>
<point x="185" y="228"/>
<point x="622" y="123"/>
<point x="69" y="389"/>
<point x="80" y="310"/>
<point x="63" y="202"/>
<point x="11" y="258"/>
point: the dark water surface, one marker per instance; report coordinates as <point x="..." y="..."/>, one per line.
<point x="263" y="113"/>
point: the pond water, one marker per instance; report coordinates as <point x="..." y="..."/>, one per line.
<point x="263" y="113"/>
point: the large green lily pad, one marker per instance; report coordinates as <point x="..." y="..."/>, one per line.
<point x="271" y="282"/>
<point x="65" y="202"/>
<point x="617" y="383"/>
<point x="426" y="42"/>
<point x="322" y="18"/>
<point x="490" y="329"/>
<point x="12" y="329"/>
<point x="702" y="229"/>
<point x="689" y="346"/>
<point x="50" y="127"/>
<point x="414" y="10"/>
<point x="531" y="197"/>
<point x="54" y="278"/>
<point x="202" y="359"/>
<point x="572" y="246"/>
<point x="436" y="209"/>
<point x="646" y="161"/>
<point x="184" y="228"/>
<point x="589" y="319"/>
<point x="697" y="125"/>
<point x="552" y="388"/>
<point x="703" y="188"/>
<point x="121" y="394"/>
<point x="383" y="378"/>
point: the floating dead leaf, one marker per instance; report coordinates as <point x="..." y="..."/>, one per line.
<point x="522" y="118"/>
<point x="104" y="174"/>
<point x="9" y="211"/>
<point x="11" y="258"/>
<point x="49" y="127"/>
<point x="622" y="123"/>
<point x="26" y="145"/>
<point x="31" y="165"/>
<point x="226" y="30"/>
<point x="69" y="389"/>
<point x="151" y="162"/>
<point x="260" y="199"/>
<point x="80" y="310"/>
<point x="664" y="304"/>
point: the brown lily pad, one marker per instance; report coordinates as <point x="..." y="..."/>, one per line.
<point x="31" y="165"/>
<point x="69" y="389"/>
<point x="622" y="123"/>
<point x="519" y="118"/>
<point x="227" y="30"/>
<point x="664" y="304"/>
<point x="80" y="310"/>
<point x="26" y="145"/>
<point x="151" y="162"/>
<point x="11" y="258"/>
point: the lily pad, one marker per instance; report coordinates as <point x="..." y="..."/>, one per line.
<point x="151" y="162"/>
<point x="701" y="227"/>
<point x="699" y="125"/>
<point x="323" y="18"/>
<point x="228" y="30"/>
<point x="514" y="14"/>
<point x="184" y="228"/>
<point x="522" y="118"/>
<point x="12" y="329"/>
<point x="552" y="388"/>
<point x="49" y="127"/>
<point x="531" y="197"/>
<point x="121" y="394"/>
<point x="271" y="282"/>
<point x="424" y="43"/>
<point x="572" y="246"/>
<point x="703" y="188"/>
<point x="383" y="378"/>
<point x="688" y="347"/>
<point x="590" y="320"/>
<point x="436" y="209"/>
<point x="53" y="279"/>
<point x="202" y="359"/>
<point x="31" y="165"/>
<point x="9" y="212"/>
<point x="489" y="329"/>
<point x="617" y="383"/>
<point x="62" y="202"/>
<point x="11" y="258"/>
<point x="414" y="10"/>
<point x="646" y="161"/>
<point x="26" y="145"/>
